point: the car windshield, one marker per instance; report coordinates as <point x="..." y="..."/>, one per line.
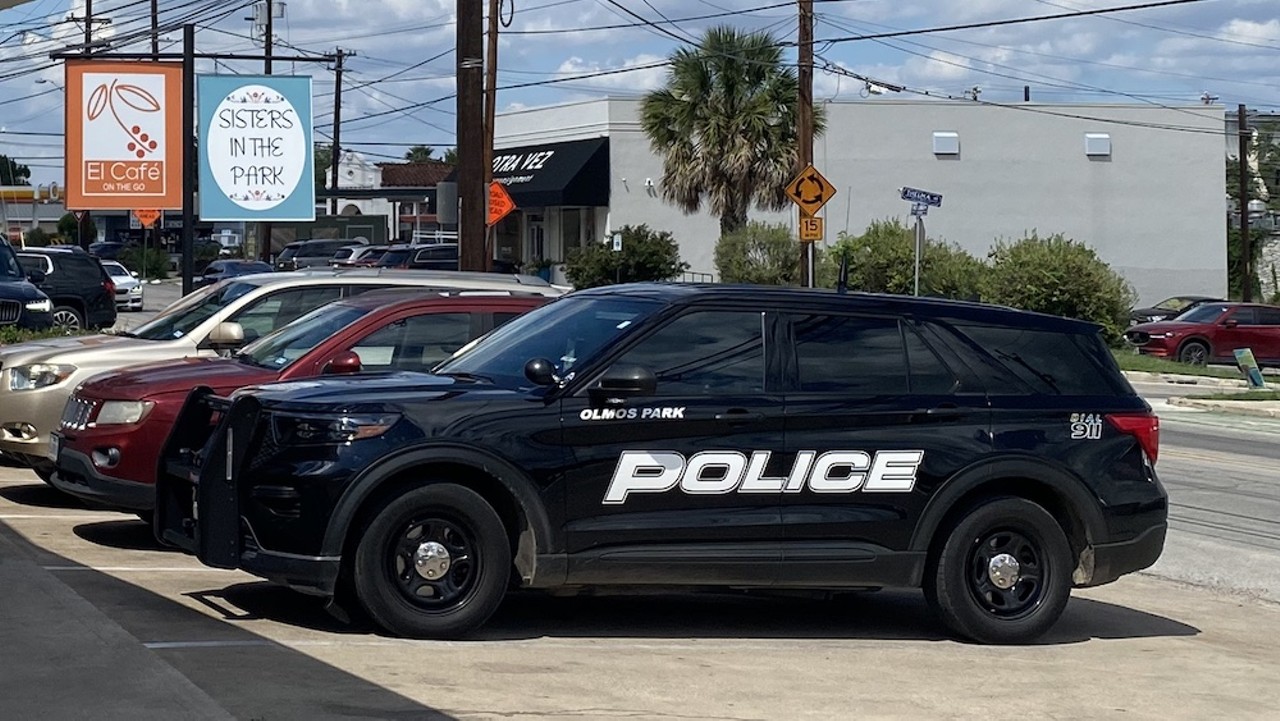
<point x="393" y="257"/>
<point x="280" y="349"/>
<point x="1174" y="303"/>
<point x="566" y="332"/>
<point x="10" y="269"/>
<point x="116" y="270"/>
<point x="182" y="317"/>
<point x="1203" y="314"/>
<point x="288" y="252"/>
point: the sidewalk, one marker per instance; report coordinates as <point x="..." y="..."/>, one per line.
<point x="64" y="659"/>
<point x="1180" y="379"/>
<point x="1259" y="409"/>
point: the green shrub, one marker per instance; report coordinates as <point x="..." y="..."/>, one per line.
<point x="646" y="255"/>
<point x="882" y="260"/>
<point x="11" y="335"/>
<point x="759" y="253"/>
<point x="149" y="264"/>
<point x="1059" y="276"/>
<point x="38" y="238"/>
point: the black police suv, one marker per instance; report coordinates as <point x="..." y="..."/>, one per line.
<point x="684" y="435"/>
<point x="21" y="303"/>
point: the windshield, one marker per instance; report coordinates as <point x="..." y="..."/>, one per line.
<point x="115" y="270"/>
<point x="182" y="317"/>
<point x="566" y="332"/>
<point x="280" y="349"/>
<point x="288" y="252"/>
<point x="1174" y="303"/>
<point x="1203" y="314"/>
<point x="9" y="267"/>
<point x="393" y="257"/>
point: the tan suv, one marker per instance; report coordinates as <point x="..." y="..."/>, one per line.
<point x="36" y="378"/>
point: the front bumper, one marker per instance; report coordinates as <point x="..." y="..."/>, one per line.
<point x="27" y="417"/>
<point x="198" y="501"/>
<point x="77" y="476"/>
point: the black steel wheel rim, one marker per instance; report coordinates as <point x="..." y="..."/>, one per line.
<point x="1025" y="595"/>
<point x="456" y="585"/>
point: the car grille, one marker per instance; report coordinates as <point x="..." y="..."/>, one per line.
<point x="77" y="413"/>
<point x="10" y="310"/>
<point x="1138" y="337"/>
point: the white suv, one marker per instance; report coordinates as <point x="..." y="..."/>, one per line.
<point x="37" y="377"/>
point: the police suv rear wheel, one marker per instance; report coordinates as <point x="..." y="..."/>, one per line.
<point x="434" y="562"/>
<point x="1004" y="573"/>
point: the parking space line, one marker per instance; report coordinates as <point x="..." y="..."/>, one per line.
<point x="63" y="516"/>
<point x="139" y="569"/>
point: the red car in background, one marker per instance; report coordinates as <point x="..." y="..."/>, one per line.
<point x="1211" y="333"/>
<point x="115" y="424"/>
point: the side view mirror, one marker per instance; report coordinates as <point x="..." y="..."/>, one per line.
<point x="1231" y="323"/>
<point x="227" y="335"/>
<point x="35" y="277"/>
<point x="541" y="372"/>
<point x="344" y="363"/>
<point x="625" y="381"/>
<point x="134" y="274"/>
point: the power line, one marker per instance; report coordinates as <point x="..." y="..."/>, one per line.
<point x="1173" y="30"/>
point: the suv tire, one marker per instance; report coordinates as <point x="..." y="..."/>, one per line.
<point x="968" y="584"/>
<point x="67" y="318"/>
<point x="434" y="562"/>
<point x="1194" y="352"/>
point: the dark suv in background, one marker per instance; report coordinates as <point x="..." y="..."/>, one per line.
<point x="311" y="253"/>
<point x="83" y="294"/>
<point x="21" y="303"/>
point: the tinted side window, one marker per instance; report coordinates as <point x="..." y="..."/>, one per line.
<point x="277" y="310"/>
<point x="929" y="374"/>
<point x="1269" y="316"/>
<point x="1047" y="363"/>
<point x="850" y="355"/>
<point x="1245" y="316"/>
<point x="705" y="353"/>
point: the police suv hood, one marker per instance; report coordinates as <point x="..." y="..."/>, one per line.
<point x="364" y="390"/>
<point x="95" y="351"/>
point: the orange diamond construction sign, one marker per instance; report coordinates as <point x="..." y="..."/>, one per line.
<point x="500" y="202"/>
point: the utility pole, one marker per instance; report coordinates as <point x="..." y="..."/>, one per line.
<point x="189" y="159"/>
<point x="490" y="112"/>
<point x="155" y="27"/>
<point x="151" y="236"/>
<point x="88" y="25"/>
<point x="471" y="188"/>
<point x="268" y="44"/>
<point x="1246" y="247"/>
<point x="804" y="124"/>
<point x="336" y="155"/>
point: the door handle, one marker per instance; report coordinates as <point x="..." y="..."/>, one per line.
<point x="738" y="415"/>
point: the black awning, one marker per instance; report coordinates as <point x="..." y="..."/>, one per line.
<point x="554" y="174"/>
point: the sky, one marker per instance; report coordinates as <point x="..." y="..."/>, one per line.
<point x="404" y="55"/>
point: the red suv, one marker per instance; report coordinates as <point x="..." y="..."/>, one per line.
<point x="1211" y="333"/>
<point x="115" y="424"/>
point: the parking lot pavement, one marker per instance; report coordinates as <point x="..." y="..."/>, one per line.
<point x="221" y="641"/>
<point x="155" y="297"/>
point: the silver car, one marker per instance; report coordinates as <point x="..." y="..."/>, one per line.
<point x="128" y="287"/>
<point x="37" y="377"/>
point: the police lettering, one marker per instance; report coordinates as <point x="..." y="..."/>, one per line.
<point x="720" y="472"/>
<point x="631" y="414"/>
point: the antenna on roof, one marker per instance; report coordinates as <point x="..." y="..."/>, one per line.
<point x="842" y="281"/>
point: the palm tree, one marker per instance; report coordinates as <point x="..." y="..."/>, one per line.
<point x="725" y="124"/>
<point x="420" y="154"/>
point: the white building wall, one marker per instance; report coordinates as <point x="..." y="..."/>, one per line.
<point x="1153" y="209"/>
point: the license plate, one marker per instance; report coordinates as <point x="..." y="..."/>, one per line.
<point x="55" y="445"/>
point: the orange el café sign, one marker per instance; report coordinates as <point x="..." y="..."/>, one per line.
<point x="124" y="135"/>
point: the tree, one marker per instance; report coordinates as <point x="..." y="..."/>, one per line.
<point x="882" y="260"/>
<point x="1063" y="277"/>
<point x="646" y="255"/>
<point x="450" y="156"/>
<point x="420" y="154"/>
<point x="725" y="126"/>
<point x="323" y="161"/>
<point x="758" y="253"/>
<point x="13" y="172"/>
<point x="69" y="228"/>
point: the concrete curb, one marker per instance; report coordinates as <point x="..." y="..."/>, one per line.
<point x="1259" y="409"/>
<point x="1181" y="379"/>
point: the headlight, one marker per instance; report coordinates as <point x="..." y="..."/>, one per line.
<point x="1155" y="318"/>
<point x="40" y="306"/>
<point x="38" y="375"/>
<point x="119" y="413"/>
<point x="303" y="429"/>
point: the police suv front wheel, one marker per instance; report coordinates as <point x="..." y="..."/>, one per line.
<point x="1004" y="573"/>
<point x="434" y="562"/>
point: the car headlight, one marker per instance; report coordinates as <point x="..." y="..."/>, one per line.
<point x="304" y="429"/>
<point x="38" y="375"/>
<point x="40" y="306"/>
<point x="120" y="413"/>
<point x="1156" y="318"/>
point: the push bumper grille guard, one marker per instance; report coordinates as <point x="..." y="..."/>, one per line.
<point x="197" y="500"/>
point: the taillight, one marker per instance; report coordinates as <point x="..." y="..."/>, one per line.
<point x="110" y="286"/>
<point x="1144" y="427"/>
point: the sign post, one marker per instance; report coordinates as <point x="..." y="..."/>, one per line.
<point x="810" y="191"/>
<point x="921" y="201"/>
